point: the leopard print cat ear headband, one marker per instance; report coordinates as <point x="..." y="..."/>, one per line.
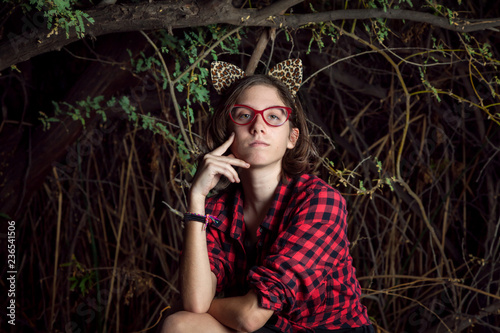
<point x="289" y="72"/>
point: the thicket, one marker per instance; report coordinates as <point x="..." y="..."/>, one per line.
<point x="405" y="117"/>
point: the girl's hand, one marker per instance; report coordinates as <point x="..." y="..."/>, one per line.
<point x="215" y="165"/>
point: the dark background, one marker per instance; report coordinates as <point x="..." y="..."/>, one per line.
<point x="96" y="247"/>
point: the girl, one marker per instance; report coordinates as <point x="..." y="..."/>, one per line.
<point x="274" y="241"/>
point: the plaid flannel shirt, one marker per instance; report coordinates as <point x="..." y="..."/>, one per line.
<point x="303" y="268"/>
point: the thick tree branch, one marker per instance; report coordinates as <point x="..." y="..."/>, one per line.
<point x="459" y="25"/>
<point x="36" y="39"/>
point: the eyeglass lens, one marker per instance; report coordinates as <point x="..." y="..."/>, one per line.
<point x="273" y="116"/>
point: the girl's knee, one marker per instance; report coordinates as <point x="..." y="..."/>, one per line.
<point x="175" y="323"/>
<point x="185" y="321"/>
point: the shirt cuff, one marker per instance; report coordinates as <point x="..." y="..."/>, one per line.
<point x="267" y="299"/>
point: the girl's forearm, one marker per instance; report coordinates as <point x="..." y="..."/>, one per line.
<point x="241" y="313"/>
<point x="197" y="280"/>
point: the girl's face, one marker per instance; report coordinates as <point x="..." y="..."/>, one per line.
<point x="258" y="143"/>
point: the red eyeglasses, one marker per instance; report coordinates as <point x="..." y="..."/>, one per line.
<point x="273" y="116"/>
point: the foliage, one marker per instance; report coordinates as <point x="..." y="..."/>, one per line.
<point x="59" y="14"/>
<point x="81" y="278"/>
<point x="344" y="177"/>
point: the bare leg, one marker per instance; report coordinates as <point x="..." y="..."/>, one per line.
<point x="184" y="321"/>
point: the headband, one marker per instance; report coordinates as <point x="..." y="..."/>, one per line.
<point x="289" y="72"/>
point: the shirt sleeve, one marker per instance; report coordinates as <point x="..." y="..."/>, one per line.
<point x="312" y="245"/>
<point x="220" y="248"/>
<point x="217" y="258"/>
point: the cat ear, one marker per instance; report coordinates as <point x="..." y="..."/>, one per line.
<point x="290" y="73"/>
<point x="224" y="75"/>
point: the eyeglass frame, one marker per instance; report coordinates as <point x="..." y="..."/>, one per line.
<point x="261" y="112"/>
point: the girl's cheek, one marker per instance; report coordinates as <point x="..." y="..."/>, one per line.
<point x="232" y="149"/>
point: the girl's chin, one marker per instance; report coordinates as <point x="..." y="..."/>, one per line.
<point x="261" y="163"/>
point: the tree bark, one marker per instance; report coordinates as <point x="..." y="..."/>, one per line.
<point x="35" y="39"/>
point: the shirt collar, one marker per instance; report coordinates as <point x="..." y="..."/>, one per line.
<point x="276" y="212"/>
<point x="237" y="225"/>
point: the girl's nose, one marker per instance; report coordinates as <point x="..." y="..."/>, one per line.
<point x="258" y="124"/>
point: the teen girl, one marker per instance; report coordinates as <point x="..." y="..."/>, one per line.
<point x="272" y="246"/>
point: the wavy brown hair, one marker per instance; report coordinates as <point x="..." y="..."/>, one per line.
<point x="297" y="160"/>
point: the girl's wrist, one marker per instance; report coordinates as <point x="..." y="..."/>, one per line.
<point x="196" y="203"/>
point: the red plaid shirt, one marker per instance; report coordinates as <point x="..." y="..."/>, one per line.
<point x="303" y="269"/>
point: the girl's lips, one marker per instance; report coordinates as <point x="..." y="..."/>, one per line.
<point x="258" y="143"/>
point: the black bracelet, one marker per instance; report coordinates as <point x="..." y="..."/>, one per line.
<point x="198" y="218"/>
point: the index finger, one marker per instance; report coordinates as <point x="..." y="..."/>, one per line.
<point x="224" y="147"/>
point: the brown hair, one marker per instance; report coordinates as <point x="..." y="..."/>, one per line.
<point x="296" y="161"/>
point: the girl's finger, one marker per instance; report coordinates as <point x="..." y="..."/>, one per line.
<point x="224" y="147"/>
<point x="218" y="167"/>
<point x="226" y="159"/>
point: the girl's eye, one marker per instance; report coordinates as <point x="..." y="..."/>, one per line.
<point x="276" y="115"/>
<point x="241" y="115"/>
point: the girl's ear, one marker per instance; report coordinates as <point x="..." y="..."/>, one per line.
<point x="294" y="136"/>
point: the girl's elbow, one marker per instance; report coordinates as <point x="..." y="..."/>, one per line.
<point x="252" y="321"/>
<point x="196" y="306"/>
<point x="250" y="327"/>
